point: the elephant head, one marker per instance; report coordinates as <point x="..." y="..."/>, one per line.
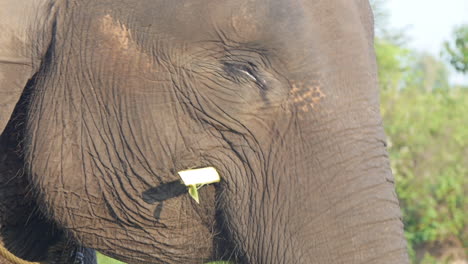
<point x="110" y="99"/>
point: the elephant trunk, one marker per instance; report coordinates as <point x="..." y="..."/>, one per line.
<point x="348" y="210"/>
<point x="336" y="206"/>
<point x="327" y="196"/>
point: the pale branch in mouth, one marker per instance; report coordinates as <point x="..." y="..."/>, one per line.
<point x="192" y="179"/>
<point x="197" y="178"/>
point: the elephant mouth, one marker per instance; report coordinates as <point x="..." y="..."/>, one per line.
<point x="192" y="180"/>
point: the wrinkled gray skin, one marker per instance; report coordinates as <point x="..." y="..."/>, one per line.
<point x="103" y="101"/>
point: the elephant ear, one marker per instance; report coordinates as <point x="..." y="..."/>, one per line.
<point x="25" y="30"/>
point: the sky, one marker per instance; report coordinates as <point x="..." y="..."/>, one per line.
<point x="428" y="23"/>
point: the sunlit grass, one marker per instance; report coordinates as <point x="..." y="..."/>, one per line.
<point x="103" y="259"/>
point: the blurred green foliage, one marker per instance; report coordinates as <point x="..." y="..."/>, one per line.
<point x="456" y="51"/>
<point x="426" y="121"/>
<point x="428" y="146"/>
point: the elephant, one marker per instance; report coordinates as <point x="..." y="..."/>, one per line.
<point x="103" y="102"/>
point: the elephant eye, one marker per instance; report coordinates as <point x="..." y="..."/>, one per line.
<point x="240" y="72"/>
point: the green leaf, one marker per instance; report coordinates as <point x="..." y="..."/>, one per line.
<point x="103" y="259"/>
<point x="193" y="191"/>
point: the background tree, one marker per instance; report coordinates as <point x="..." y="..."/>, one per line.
<point x="425" y="73"/>
<point x="391" y="52"/>
<point x="456" y="51"/>
<point x="424" y="119"/>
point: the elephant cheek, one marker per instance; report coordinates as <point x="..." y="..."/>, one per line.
<point x="306" y="97"/>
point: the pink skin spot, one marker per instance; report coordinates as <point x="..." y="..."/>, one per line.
<point x="306" y="96"/>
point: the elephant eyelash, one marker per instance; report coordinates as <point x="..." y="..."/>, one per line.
<point x="243" y="71"/>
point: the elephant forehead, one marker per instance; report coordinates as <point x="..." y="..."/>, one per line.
<point x="116" y="32"/>
<point x="117" y="39"/>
